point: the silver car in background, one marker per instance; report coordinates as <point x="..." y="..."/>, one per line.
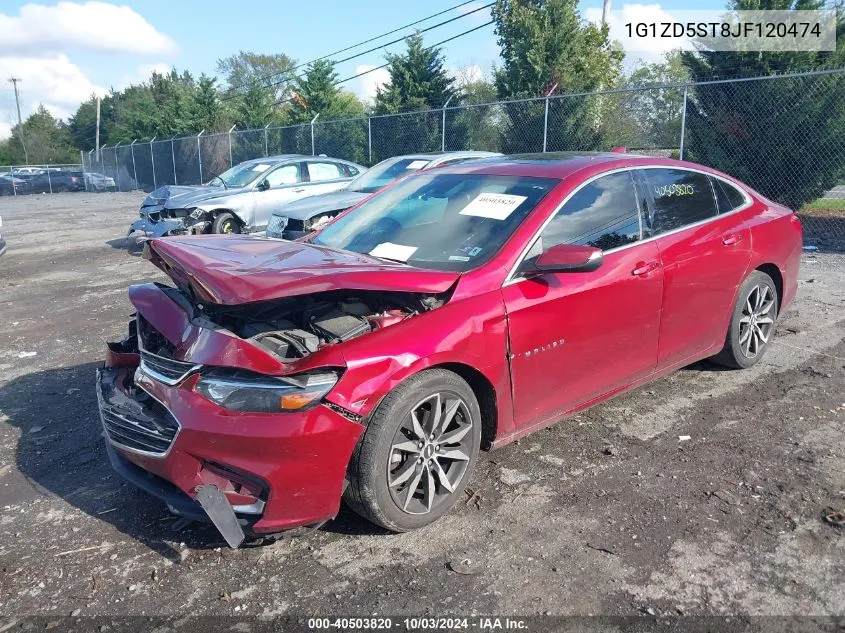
<point x="303" y="216"/>
<point x="241" y="199"/>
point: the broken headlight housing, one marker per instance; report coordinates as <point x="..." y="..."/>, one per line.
<point x="257" y="393"/>
<point x="195" y="213"/>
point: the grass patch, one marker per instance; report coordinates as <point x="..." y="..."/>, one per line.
<point x="825" y="207"/>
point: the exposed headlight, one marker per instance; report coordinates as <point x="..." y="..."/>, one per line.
<point x="246" y="391"/>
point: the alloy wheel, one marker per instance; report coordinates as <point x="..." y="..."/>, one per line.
<point x="430" y="453"/>
<point x="757" y="321"/>
<point x="228" y="227"/>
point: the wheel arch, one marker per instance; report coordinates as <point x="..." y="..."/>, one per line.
<point x="775" y="273"/>
<point x="481" y="385"/>
<point x="484" y="392"/>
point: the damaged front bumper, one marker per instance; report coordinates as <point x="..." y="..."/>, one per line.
<point x="249" y="474"/>
<point x="153" y="225"/>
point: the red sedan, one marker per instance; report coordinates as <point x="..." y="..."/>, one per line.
<point x="459" y="309"/>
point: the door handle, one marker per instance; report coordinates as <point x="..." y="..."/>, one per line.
<point x="299" y="190"/>
<point x="731" y="238"/>
<point x="644" y="268"/>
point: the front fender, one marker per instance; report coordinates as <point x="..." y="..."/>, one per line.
<point x="471" y="332"/>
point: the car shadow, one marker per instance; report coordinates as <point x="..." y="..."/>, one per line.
<point x="61" y="451"/>
<point x="130" y="244"/>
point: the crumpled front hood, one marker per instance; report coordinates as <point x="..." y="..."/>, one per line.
<point x="233" y="270"/>
<point x="183" y="197"/>
<point x="321" y="203"/>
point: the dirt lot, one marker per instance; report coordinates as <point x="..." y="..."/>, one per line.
<point x="606" y="513"/>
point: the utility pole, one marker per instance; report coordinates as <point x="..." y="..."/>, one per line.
<point x="15" y="81"/>
<point x="97" y="138"/>
<point x="605" y="12"/>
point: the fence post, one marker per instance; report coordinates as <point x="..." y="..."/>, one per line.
<point x="173" y="156"/>
<point x="90" y="166"/>
<point x="370" y="139"/>
<point x="49" y="180"/>
<point x="313" y="153"/>
<point x="116" y="167"/>
<point x="683" y="124"/>
<point x="81" y="160"/>
<point x="546" y="119"/>
<point x="443" y="125"/>
<point x="266" y="151"/>
<point x="153" y="161"/>
<point x="199" y="153"/>
<point x="230" y="146"/>
<point x="134" y="169"/>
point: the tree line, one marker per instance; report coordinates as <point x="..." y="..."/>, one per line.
<point x="545" y="47"/>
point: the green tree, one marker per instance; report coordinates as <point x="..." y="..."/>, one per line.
<point x="543" y="43"/>
<point x="254" y="108"/>
<point x="649" y="118"/>
<point x="782" y="136"/>
<point x="243" y="70"/>
<point x="474" y="127"/>
<point x="48" y="141"/>
<point x="418" y="81"/>
<point x="317" y="92"/>
<point x="207" y="111"/>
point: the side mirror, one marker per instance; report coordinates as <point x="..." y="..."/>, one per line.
<point x="264" y="185"/>
<point x="566" y="258"/>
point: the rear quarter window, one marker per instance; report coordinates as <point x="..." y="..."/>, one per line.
<point x="728" y="197"/>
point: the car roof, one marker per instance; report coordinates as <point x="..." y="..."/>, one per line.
<point x="562" y="164"/>
<point x="281" y="158"/>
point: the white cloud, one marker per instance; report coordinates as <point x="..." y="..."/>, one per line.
<point x="5" y="129"/>
<point x="365" y="86"/>
<point x="463" y="75"/>
<point x="54" y="81"/>
<point x="93" y="26"/>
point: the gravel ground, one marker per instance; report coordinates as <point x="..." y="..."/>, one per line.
<point x="605" y="513"/>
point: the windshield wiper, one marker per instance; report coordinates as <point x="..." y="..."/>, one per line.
<point x="217" y="177"/>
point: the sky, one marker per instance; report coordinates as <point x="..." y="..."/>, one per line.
<point x="65" y="51"/>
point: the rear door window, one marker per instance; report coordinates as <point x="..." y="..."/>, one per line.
<point x="680" y="198"/>
<point x="325" y="171"/>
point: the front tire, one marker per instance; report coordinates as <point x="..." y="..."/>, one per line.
<point x="418" y="452"/>
<point x="225" y="223"/>
<point x="752" y="323"/>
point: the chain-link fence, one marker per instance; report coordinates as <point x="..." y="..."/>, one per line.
<point x="783" y="135"/>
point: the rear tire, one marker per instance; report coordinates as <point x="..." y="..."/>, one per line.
<point x="225" y="223"/>
<point x="418" y="452"/>
<point x="752" y="323"/>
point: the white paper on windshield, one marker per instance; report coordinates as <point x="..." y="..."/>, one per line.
<point x="388" y="250"/>
<point x="496" y="206"/>
<point x="417" y="164"/>
<point x="261" y="167"/>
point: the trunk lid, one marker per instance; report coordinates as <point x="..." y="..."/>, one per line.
<point x="233" y="270"/>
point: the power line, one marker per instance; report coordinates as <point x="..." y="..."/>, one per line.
<point x="449" y="39"/>
<point x="290" y="71"/>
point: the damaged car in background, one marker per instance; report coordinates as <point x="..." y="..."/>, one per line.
<point x="241" y="199"/>
<point x="299" y="218"/>
<point x="459" y="308"/>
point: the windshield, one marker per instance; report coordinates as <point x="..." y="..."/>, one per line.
<point x="241" y="175"/>
<point x="385" y="173"/>
<point x="440" y="221"/>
